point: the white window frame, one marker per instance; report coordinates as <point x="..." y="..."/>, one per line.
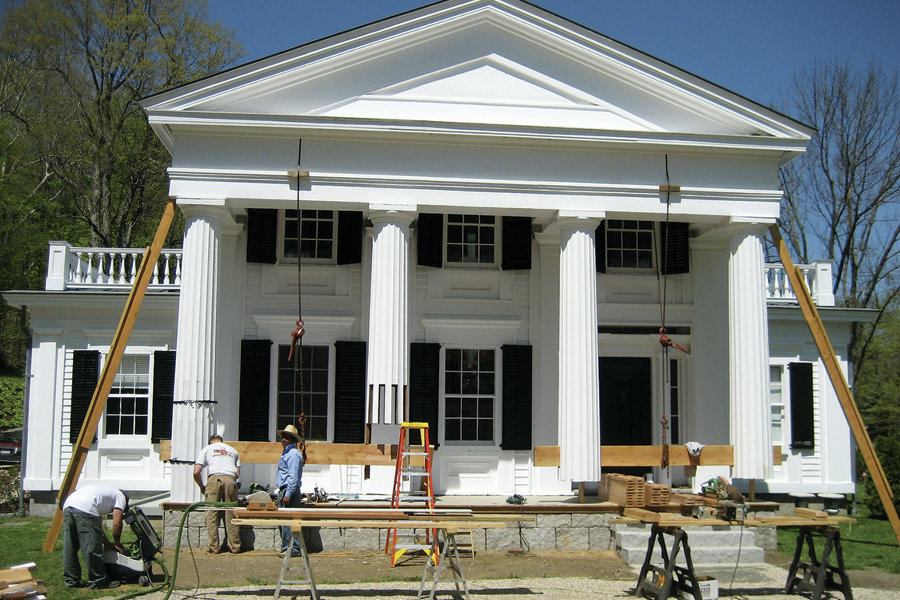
<point x="279" y="368"/>
<point x="282" y="238"/>
<point x="654" y="232"/>
<point x="496" y="396"/>
<point x="498" y="247"/>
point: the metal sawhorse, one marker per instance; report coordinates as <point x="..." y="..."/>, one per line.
<point x="816" y="576"/>
<point x="670" y="579"/>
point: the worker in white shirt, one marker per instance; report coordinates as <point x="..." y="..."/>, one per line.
<point x="83" y="512"/>
<point x="223" y="467"/>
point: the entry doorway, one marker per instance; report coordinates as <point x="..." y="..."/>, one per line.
<point x="626" y="404"/>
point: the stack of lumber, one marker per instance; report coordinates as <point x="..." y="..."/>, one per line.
<point x="657" y="494"/>
<point x="18" y="582"/>
<point x="626" y="490"/>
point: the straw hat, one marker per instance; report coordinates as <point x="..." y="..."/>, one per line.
<point x="290" y="432"/>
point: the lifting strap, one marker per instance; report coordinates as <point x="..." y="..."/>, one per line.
<point x="296" y="352"/>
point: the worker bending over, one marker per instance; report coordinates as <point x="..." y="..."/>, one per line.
<point x="83" y="512"/>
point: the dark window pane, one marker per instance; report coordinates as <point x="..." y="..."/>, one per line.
<point x="487" y="254"/>
<point x="468" y="407"/>
<point x="644" y="260"/>
<point x="452" y="408"/>
<point x="486" y="383"/>
<point x="317" y="405"/>
<point x="485" y="430"/>
<point x="488" y="219"/>
<point x="290" y="229"/>
<point x="290" y="214"/>
<point x="320" y="381"/>
<point x="453" y="359"/>
<point x="290" y="247"/>
<point x="308" y="214"/>
<point x="454" y="253"/>
<point x="452" y="383"/>
<point x="470" y="218"/>
<point x="112" y="425"/>
<point x="326" y="229"/>
<point x="470" y="383"/>
<point x="454" y="234"/>
<point x="614" y="224"/>
<point x="468" y="429"/>
<point x="645" y="240"/>
<point x="452" y="430"/>
<point x="308" y="229"/>
<point x="113" y="405"/>
<point x="629" y="224"/>
<point x="645" y="224"/>
<point x="614" y="258"/>
<point x="285" y="404"/>
<point x="326" y="214"/>
<point x="614" y="239"/>
<point x="487" y="235"/>
<point x="128" y="406"/>
<point x="470" y="234"/>
<point x="629" y="239"/>
<point x="470" y="360"/>
<point x="485" y="407"/>
<point x="307" y="249"/>
<point x="140" y="425"/>
<point x="141" y="406"/>
<point x="126" y="426"/>
<point x="324" y="249"/>
<point x="486" y="360"/>
<point x="454" y="218"/>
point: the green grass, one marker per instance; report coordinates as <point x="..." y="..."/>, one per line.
<point x="22" y="539"/>
<point x="867" y="544"/>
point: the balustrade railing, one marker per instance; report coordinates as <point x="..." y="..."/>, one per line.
<point x="108" y="268"/>
<point x="816" y="275"/>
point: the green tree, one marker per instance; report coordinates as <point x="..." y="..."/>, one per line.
<point x="78" y="69"/>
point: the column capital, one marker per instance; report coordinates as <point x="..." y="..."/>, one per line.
<point x="391" y="214"/>
<point x="574" y="219"/>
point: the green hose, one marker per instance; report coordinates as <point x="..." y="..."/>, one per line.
<point x="169" y="581"/>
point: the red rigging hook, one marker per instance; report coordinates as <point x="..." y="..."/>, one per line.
<point x="295" y="338"/>
<point x="667" y="342"/>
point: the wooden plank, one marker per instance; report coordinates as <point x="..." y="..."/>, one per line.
<point x="108" y="373"/>
<point x="646" y="516"/>
<point x="651" y="456"/>
<point x="809" y="513"/>
<point x="795" y="521"/>
<point x="838" y="381"/>
<point x="317" y="453"/>
<point x="370" y="524"/>
<point x="11" y="576"/>
<point x="546" y="456"/>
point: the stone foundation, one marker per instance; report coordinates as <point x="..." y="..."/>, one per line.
<point x="563" y="531"/>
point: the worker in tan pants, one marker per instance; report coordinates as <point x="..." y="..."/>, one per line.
<point x="223" y="467"/>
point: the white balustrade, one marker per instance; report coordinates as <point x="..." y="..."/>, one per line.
<point x="816" y="275"/>
<point x="108" y="268"/>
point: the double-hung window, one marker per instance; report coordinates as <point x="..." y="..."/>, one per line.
<point x="629" y="244"/>
<point x="471" y="240"/>
<point x="312" y="380"/>
<point x="316" y="242"/>
<point x="128" y="404"/>
<point x="469" y="395"/>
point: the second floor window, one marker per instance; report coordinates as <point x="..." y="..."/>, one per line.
<point x="469" y="395"/>
<point x="471" y="239"/>
<point x="314" y="387"/>
<point x="128" y="405"/>
<point x="316" y="229"/>
<point x="629" y="244"/>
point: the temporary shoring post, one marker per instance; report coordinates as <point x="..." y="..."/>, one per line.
<point x="108" y="373"/>
<point x="845" y="397"/>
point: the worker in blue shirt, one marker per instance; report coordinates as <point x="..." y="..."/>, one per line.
<point x="287" y="479"/>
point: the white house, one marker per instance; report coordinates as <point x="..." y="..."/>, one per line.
<point x="481" y="223"/>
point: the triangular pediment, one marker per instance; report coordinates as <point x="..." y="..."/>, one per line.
<point x="503" y="63"/>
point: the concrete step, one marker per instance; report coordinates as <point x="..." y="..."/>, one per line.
<point x="709" y="546"/>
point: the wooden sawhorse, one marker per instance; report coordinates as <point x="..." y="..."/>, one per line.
<point x="449" y="559"/>
<point x="816" y="576"/>
<point x="670" y="579"/>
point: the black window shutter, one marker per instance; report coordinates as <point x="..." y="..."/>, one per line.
<point x="600" y="247"/>
<point x="253" y="420"/>
<point x="262" y="235"/>
<point x="349" y="392"/>
<point x="516" y="398"/>
<point x="802" y="417"/>
<point x="85" y="370"/>
<point x="424" y="390"/>
<point x="516" y="243"/>
<point x="430" y="240"/>
<point x="350" y="237"/>
<point x="675" y="247"/>
<point x="163" y="394"/>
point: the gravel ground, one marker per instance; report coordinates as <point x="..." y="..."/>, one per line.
<point x="762" y="582"/>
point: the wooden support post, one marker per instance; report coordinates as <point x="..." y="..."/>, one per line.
<point x="845" y="397"/>
<point x="108" y="373"/>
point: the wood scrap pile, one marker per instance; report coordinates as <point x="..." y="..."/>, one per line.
<point x="18" y="582"/>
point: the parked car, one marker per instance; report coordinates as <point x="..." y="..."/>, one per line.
<point x="11" y="445"/>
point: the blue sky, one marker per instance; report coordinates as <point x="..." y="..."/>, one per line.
<point x="750" y="47"/>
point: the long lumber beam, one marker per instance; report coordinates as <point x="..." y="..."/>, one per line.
<point x="317" y="453"/>
<point x="650" y="456"/>
<point x="108" y="373"/>
<point x="838" y="381"/>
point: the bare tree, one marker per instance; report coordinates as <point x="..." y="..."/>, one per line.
<point x="841" y="198"/>
<point x="90" y="61"/>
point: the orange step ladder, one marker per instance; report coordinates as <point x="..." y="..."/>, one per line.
<point x="412" y="462"/>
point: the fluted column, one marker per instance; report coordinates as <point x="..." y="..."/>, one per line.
<point x="195" y="358"/>
<point x="748" y="357"/>
<point x="387" y="343"/>
<point x="579" y="385"/>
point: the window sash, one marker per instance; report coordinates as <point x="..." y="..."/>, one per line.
<point x="470" y="400"/>
<point x="471" y="240"/>
<point x="128" y="405"/>
<point x="318" y="235"/>
<point x="630" y="245"/>
<point x="314" y="390"/>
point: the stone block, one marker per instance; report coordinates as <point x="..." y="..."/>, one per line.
<point x="361" y="539"/>
<point x="600" y="538"/>
<point x="766" y="538"/>
<point x="333" y="540"/>
<point x="190" y="535"/>
<point x="540" y="538"/>
<point x="500" y="540"/>
<point x="591" y="520"/>
<point x="572" y="538"/>
<point x="553" y="521"/>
